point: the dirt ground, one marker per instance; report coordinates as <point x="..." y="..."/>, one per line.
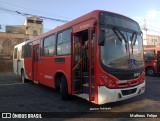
<point x="30" y="97"/>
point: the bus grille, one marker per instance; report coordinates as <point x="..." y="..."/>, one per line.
<point x="128" y="92"/>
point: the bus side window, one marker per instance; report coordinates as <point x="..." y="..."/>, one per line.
<point x="18" y="55"/>
<point x="22" y="52"/>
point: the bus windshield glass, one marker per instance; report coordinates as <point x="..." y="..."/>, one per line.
<point x="149" y="54"/>
<point x="122" y="46"/>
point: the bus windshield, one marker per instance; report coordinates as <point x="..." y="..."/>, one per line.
<point x="122" y="47"/>
<point x="149" y="54"/>
<point x="122" y="53"/>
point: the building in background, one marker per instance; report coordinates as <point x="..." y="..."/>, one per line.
<point x="16" y="29"/>
<point x="12" y="35"/>
<point x="34" y="26"/>
<point x="153" y="40"/>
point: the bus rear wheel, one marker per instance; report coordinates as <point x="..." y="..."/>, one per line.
<point x="150" y="71"/>
<point x="64" y="88"/>
<point x="23" y="77"/>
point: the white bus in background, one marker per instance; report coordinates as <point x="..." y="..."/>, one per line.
<point x="18" y="58"/>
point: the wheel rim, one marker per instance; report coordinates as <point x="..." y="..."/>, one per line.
<point x="150" y="72"/>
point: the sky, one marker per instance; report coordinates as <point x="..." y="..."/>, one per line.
<point x="139" y="10"/>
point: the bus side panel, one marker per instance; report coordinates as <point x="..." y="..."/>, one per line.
<point x="66" y="69"/>
<point x="20" y="66"/>
<point x="48" y="67"/>
<point x="28" y="68"/>
<point x="15" y="66"/>
<point x="46" y="71"/>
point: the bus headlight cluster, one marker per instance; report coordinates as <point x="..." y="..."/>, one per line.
<point x="108" y="82"/>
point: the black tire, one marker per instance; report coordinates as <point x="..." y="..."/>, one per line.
<point x="23" y="77"/>
<point x="150" y="71"/>
<point x="64" y="88"/>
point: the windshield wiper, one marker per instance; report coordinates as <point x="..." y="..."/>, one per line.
<point x="118" y="32"/>
<point x="114" y="30"/>
<point x="133" y="40"/>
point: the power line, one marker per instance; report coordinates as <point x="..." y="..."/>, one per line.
<point x="153" y="27"/>
<point x="28" y="14"/>
<point x="32" y="9"/>
<point x="154" y="30"/>
<point x="148" y="29"/>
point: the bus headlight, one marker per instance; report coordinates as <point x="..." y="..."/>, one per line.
<point x="108" y="82"/>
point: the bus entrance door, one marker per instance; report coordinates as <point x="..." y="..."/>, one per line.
<point x="91" y="56"/>
<point x="83" y="64"/>
<point x="35" y="62"/>
<point x="76" y="64"/>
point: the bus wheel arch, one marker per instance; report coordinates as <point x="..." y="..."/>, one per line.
<point x="61" y="83"/>
<point x="150" y="71"/>
<point x="58" y="79"/>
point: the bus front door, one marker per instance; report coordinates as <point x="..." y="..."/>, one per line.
<point x="76" y="64"/>
<point x="35" y="62"/>
<point x="83" y="64"/>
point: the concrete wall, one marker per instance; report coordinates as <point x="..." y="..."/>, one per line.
<point x="19" y="29"/>
<point x="7" y="43"/>
<point x="9" y="40"/>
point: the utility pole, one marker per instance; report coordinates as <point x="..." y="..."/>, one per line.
<point x="0" y="27"/>
<point x="145" y="33"/>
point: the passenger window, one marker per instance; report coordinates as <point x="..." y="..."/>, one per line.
<point x="48" y="46"/>
<point x="64" y="42"/>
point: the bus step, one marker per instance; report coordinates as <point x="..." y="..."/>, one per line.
<point x="85" y="73"/>
<point x="36" y="82"/>
<point x="86" y="79"/>
<point x="77" y="84"/>
<point x="86" y="88"/>
<point x="84" y="96"/>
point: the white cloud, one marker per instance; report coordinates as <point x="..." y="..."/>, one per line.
<point x="152" y="18"/>
<point x="153" y="14"/>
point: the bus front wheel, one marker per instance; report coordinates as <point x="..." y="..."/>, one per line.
<point x="64" y="88"/>
<point x="150" y="71"/>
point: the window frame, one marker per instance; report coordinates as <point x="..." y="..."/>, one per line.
<point x="57" y="44"/>
<point x="27" y="51"/>
<point x="23" y="51"/>
<point x="42" y="53"/>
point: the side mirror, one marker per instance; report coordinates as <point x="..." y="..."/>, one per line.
<point x="101" y="40"/>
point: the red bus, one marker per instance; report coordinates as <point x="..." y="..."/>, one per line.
<point x="92" y="57"/>
<point x="152" y="60"/>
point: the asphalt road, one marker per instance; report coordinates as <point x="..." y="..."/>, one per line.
<point x="30" y="97"/>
